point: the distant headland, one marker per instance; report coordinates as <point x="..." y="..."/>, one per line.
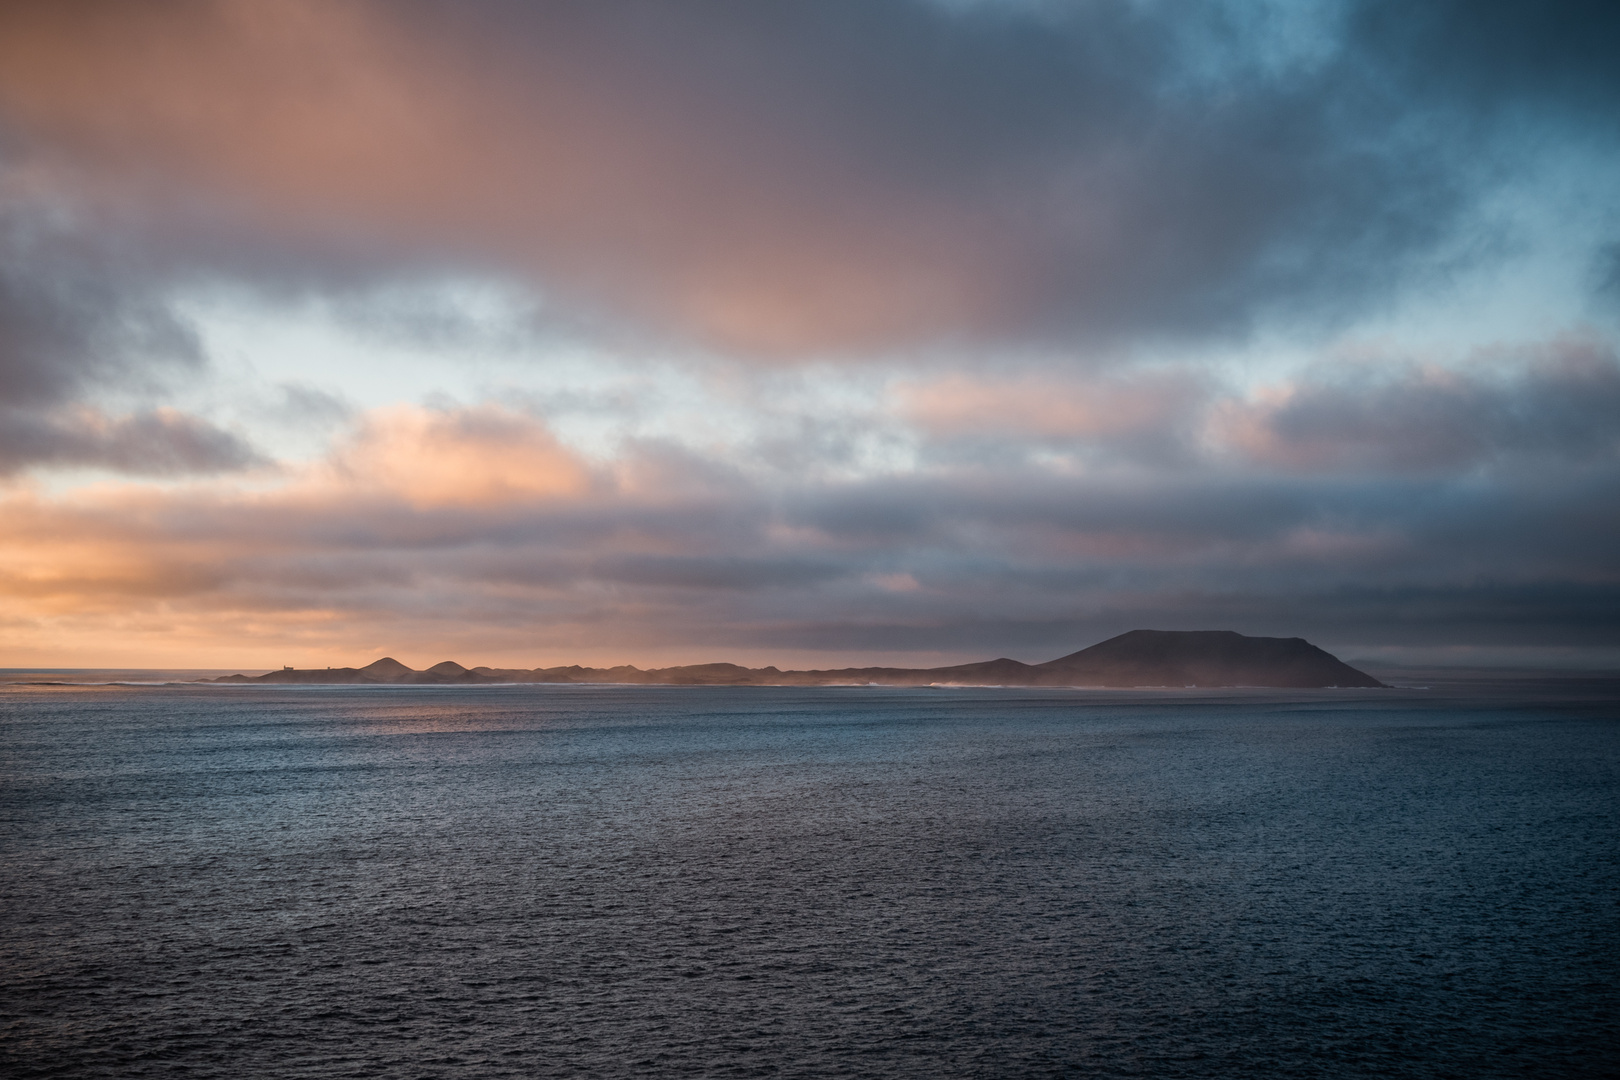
<point x="1140" y="658"/>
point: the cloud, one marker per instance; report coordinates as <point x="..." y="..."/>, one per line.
<point x="1607" y="274"/>
<point x="452" y="135"/>
<point x="1151" y="416"/>
<point x="456" y="457"/>
<point x="801" y="177"/>
<point x="71" y="318"/>
<point x="1563" y="406"/>
<point x="154" y="442"/>
<point x="1082" y="246"/>
<point x="517" y="547"/>
<point x="1500" y="54"/>
<point x="1509" y="407"/>
<point x="77" y="321"/>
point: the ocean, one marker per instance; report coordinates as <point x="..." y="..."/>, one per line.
<point x="537" y="881"/>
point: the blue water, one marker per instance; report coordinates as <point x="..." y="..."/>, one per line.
<point x="560" y="881"/>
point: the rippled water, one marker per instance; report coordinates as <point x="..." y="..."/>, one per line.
<point x="537" y="881"/>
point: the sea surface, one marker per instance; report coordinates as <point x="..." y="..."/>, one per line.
<point x="531" y="881"/>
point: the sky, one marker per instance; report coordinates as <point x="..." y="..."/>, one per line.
<point x="810" y="332"/>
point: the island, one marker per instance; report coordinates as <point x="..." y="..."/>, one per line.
<point x="1140" y="658"/>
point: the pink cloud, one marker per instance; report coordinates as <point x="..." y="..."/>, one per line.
<point x="322" y="120"/>
<point x="1100" y="408"/>
<point x="485" y="456"/>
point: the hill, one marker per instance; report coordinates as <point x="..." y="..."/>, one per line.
<point x="1140" y="658"/>
<point x="1201" y="658"/>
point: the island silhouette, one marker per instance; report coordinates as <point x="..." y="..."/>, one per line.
<point x="1139" y="658"/>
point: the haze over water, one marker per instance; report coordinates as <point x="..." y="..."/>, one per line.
<point x="522" y="881"/>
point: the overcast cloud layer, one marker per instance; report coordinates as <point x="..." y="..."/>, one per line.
<point x="805" y="332"/>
